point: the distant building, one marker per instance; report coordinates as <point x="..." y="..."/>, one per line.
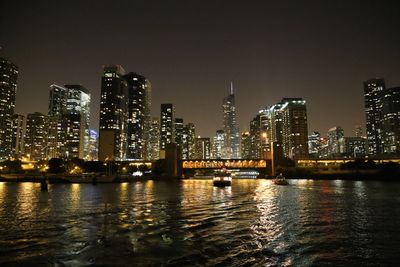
<point x="113" y="114"/>
<point x="245" y="145"/>
<point x="231" y="130"/>
<point x="218" y="144"/>
<point x="153" y="148"/>
<point x="93" y="145"/>
<point x="353" y="147"/>
<point x="188" y="141"/>
<point x="36" y="136"/>
<point x="295" y="128"/>
<point x="179" y="135"/>
<point x="139" y="102"/>
<point x="167" y="127"/>
<point x="203" y="148"/>
<point x="314" y="145"/>
<point x="18" y="124"/>
<point x="334" y="135"/>
<point x="373" y="99"/>
<point x="8" y="88"/>
<point x="391" y="121"/>
<point x="358" y="131"/>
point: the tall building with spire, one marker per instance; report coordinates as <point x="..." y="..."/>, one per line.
<point x="230" y="128"/>
<point x="8" y="88"/>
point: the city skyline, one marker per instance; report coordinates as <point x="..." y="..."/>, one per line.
<point x="267" y="50"/>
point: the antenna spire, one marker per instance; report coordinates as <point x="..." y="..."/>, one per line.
<point x="231" y="88"/>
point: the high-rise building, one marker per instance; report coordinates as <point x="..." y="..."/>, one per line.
<point x="188" y="141"/>
<point x="179" y="135"/>
<point x="139" y="101"/>
<point x="295" y="128"/>
<point x="56" y="127"/>
<point x="334" y="135"/>
<point x="18" y="135"/>
<point x="218" y="144"/>
<point x="153" y="149"/>
<point x="231" y="130"/>
<point x="245" y="145"/>
<point x="76" y="121"/>
<point x="358" y="131"/>
<point x="353" y="147"/>
<point x="391" y="121"/>
<point x="203" y="148"/>
<point x="314" y="145"/>
<point x="373" y="94"/>
<point x="36" y="136"/>
<point x="167" y="127"/>
<point x="8" y="88"/>
<point x="93" y="145"/>
<point x="113" y="114"/>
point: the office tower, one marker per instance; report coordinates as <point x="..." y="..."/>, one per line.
<point x="188" y="141"/>
<point x="295" y="128"/>
<point x="167" y="127"/>
<point x="245" y="145"/>
<point x="255" y="138"/>
<point x="153" y="149"/>
<point x="334" y="135"/>
<point x="203" y="148"/>
<point x="113" y="114"/>
<point x="218" y="144"/>
<point x="8" y="88"/>
<point x="36" y="136"/>
<point x="18" y="135"/>
<point x="358" y="131"/>
<point x="353" y="147"/>
<point x="93" y="145"/>
<point x="373" y="93"/>
<point x="231" y="130"/>
<point x="179" y="135"/>
<point x="314" y="144"/>
<point x="76" y="121"/>
<point x="139" y="101"/>
<point x="57" y="108"/>
<point x="391" y="121"/>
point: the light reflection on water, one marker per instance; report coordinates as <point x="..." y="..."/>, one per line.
<point x="253" y="222"/>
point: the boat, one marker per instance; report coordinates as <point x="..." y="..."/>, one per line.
<point x="222" y="178"/>
<point x="280" y="180"/>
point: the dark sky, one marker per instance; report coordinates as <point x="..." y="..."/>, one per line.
<point x="191" y="50"/>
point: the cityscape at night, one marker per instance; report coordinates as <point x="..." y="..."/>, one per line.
<point x="199" y="133"/>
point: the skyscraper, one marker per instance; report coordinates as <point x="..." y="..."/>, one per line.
<point x="245" y="145"/>
<point x="113" y="114"/>
<point x="36" y="136"/>
<point x="153" y="149"/>
<point x="167" y="127"/>
<point x="179" y="135"/>
<point x="188" y="141"/>
<point x="203" y="148"/>
<point x="139" y="101"/>
<point x="334" y="135"/>
<point x="218" y="144"/>
<point x="314" y="144"/>
<point x="76" y="121"/>
<point x="57" y="108"/>
<point x="8" y="88"/>
<point x="231" y="130"/>
<point x="373" y="94"/>
<point x="295" y="128"/>
<point x="18" y="135"/>
<point x="391" y="121"/>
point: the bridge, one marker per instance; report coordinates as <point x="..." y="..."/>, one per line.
<point x="227" y="163"/>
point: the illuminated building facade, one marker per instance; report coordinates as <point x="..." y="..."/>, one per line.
<point x="218" y="144"/>
<point x="167" y="125"/>
<point x="314" y="145"/>
<point x="179" y="135"/>
<point x="139" y="102"/>
<point x="18" y="135"/>
<point x="8" y="88"/>
<point x="352" y="147"/>
<point x="231" y="130"/>
<point x="246" y="145"/>
<point x="391" y="121"/>
<point x="36" y="136"/>
<point x="93" y="145"/>
<point x="113" y="114"/>
<point x="203" y="148"/>
<point x="334" y="135"/>
<point x="153" y="149"/>
<point x="188" y="141"/>
<point x="373" y="92"/>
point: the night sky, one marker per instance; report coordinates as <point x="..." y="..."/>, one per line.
<point x="191" y="50"/>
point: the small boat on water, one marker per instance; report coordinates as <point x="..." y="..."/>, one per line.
<point x="222" y="178"/>
<point x="280" y="180"/>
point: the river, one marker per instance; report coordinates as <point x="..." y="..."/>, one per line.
<point x="192" y="223"/>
